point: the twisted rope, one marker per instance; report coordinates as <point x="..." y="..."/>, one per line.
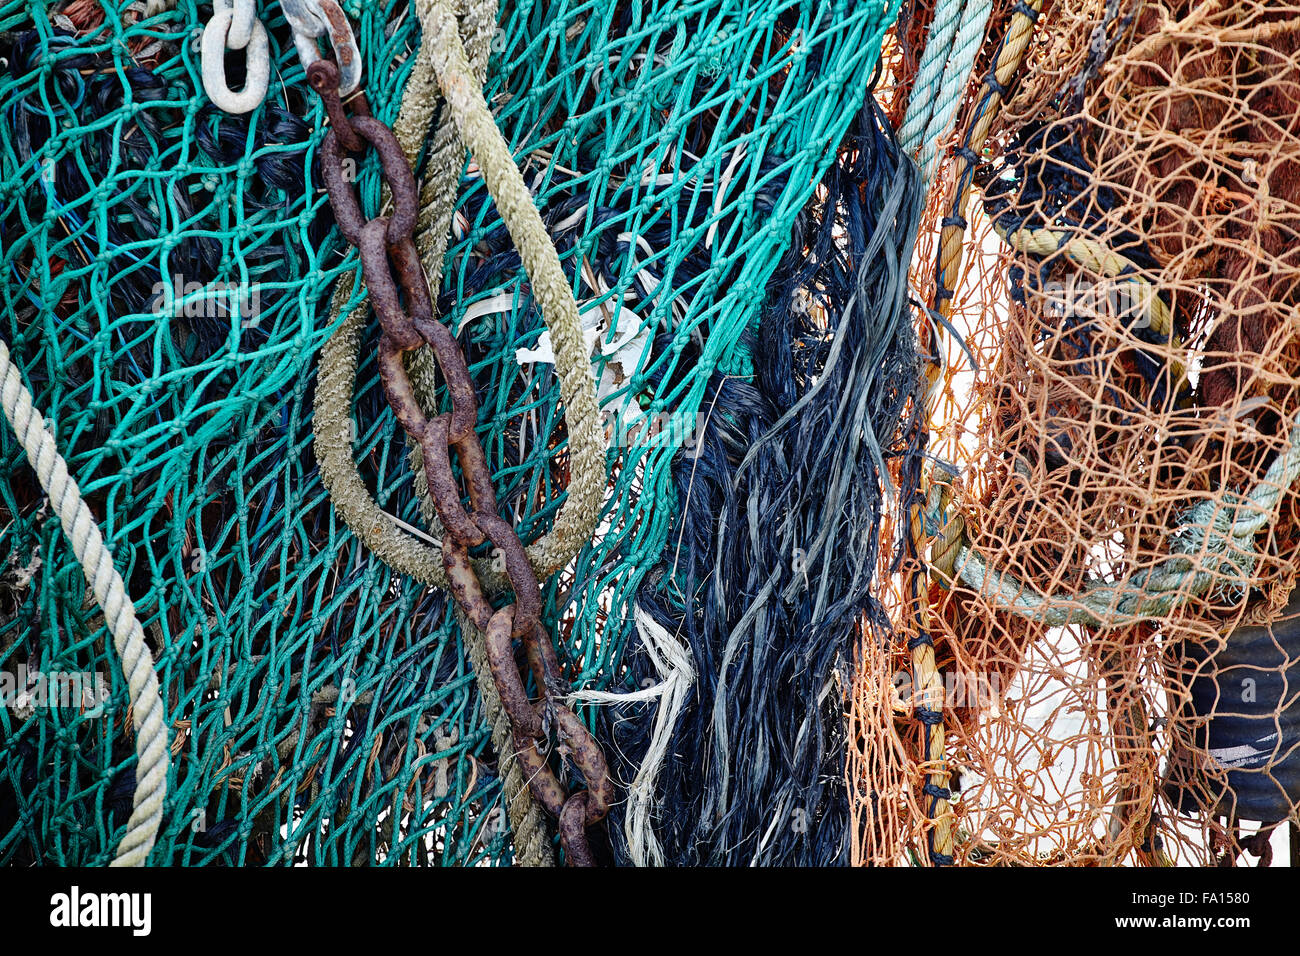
<point x="1019" y="32"/>
<point x="119" y="613"/>
<point x="461" y="83"/>
<point x="454" y="57"/>
<point x="941" y="82"/>
<point x="1215" y="545"/>
<point x="929" y="75"/>
<point x="550" y="288"/>
<point x="924" y="668"/>
<point x="1100" y="260"/>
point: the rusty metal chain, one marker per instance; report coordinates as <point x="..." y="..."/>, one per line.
<point x="400" y="296"/>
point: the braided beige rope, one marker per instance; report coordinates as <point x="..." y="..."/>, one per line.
<point x="119" y="613"/>
<point x="550" y="287"/>
<point x="333" y="430"/>
<point x="461" y="83"/>
<point x="1101" y="260"/>
<point x="531" y="835"/>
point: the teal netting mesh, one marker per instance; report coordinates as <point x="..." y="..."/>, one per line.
<point x="166" y="276"/>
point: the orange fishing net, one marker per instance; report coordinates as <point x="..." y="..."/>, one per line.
<point x="1122" y="496"/>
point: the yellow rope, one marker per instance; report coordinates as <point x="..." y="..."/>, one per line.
<point x="1100" y="260"/>
<point x="928" y="681"/>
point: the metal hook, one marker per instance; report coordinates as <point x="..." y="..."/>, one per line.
<point x="311" y="19"/>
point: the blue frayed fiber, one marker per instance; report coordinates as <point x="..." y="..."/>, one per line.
<point x="770" y="566"/>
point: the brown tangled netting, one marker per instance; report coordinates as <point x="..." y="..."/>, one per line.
<point x="1129" y="301"/>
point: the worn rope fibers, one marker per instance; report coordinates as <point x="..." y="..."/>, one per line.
<point x="770" y="568"/>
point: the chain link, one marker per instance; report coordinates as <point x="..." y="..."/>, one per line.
<point x="234" y="26"/>
<point x="242" y="23"/>
<point x="312" y="20"/>
<point x="400" y="295"/>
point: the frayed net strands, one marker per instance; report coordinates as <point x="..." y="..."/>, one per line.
<point x="165" y="263"/>
<point x="1089" y="412"/>
<point x="776" y="549"/>
<point x="654" y="238"/>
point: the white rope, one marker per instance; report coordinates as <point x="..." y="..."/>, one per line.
<point x="965" y="47"/>
<point x="119" y="613"/>
<point x="672" y="659"/>
<point x="946" y="64"/>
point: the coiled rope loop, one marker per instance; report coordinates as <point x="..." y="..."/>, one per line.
<point x="443" y="57"/>
<point x="455" y="56"/>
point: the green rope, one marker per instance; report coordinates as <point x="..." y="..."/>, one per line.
<point x="942" y="78"/>
<point x="1213" y="547"/>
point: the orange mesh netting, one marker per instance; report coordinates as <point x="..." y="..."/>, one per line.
<point x="1122" y="499"/>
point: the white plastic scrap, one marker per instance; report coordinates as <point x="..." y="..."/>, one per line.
<point x="624" y="351"/>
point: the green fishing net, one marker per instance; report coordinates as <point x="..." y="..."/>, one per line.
<point x="166" y="275"/>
